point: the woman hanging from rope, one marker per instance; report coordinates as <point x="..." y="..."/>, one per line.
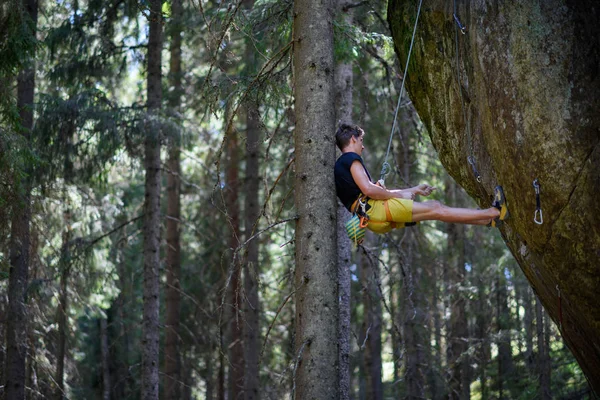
<point x="384" y="209"/>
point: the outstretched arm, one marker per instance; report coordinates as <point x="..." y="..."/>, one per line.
<point x="374" y="191"/>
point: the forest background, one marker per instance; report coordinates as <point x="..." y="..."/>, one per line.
<point x="147" y="164"/>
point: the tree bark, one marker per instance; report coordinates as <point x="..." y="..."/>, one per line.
<point x="343" y="107"/>
<point x="236" y="328"/>
<point x="16" y="325"/>
<point x="152" y="222"/>
<point x="317" y="348"/>
<point x="252" y="215"/>
<point x="172" y="363"/>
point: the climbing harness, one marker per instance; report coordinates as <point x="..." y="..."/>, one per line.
<point x="463" y="29"/>
<point x="538" y="218"/>
<point x="355" y="227"/>
<point x="385" y="168"/>
<point x="470" y="158"/>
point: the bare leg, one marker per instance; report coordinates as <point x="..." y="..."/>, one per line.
<point x="436" y="211"/>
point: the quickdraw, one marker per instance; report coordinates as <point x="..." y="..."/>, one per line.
<point x="471" y="161"/>
<point x="560" y="317"/>
<point x="462" y="28"/>
<point x="538" y="217"/>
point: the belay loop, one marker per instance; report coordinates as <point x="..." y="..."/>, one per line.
<point x="538" y="218"/>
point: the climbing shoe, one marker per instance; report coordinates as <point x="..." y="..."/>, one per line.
<point x="500" y="204"/>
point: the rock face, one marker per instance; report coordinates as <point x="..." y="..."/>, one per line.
<point x="529" y="74"/>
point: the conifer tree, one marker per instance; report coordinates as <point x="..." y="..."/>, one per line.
<point x="152" y="221"/>
<point x="17" y="317"/>
<point x="316" y="372"/>
<point x="172" y="366"/>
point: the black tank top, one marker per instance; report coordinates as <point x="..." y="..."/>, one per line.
<point x="347" y="190"/>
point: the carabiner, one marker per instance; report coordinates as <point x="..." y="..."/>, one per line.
<point x="538" y="213"/>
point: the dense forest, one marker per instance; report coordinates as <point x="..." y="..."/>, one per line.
<point x="168" y="216"/>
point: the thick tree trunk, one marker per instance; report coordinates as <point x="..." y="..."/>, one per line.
<point x="343" y="107"/>
<point x="317" y="348"/>
<point x="105" y="355"/>
<point x="252" y="215"/>
<point x="152" y="221"/>
<point x="172" y="366"/>
<point x="16" y="324"/>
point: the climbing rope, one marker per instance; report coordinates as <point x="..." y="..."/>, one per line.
<point x="470" y="158"/>
<point x="385" y="168"/>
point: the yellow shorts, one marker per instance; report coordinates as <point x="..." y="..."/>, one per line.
<point x="399" y="212"/>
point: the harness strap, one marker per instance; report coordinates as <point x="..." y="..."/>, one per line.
<point x="359" y="203"/>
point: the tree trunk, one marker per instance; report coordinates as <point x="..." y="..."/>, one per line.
<point x="16" y="324"/>
<point x="482" y="323"/>
<point x="152" y="222"/>
<point x="236" y="348"/>
<point x="221" y="374"/>
<point x="436" y="384"/>
<point x="172" y="366"/>
<point x="317" y="348"/>
<point x="63" y="309"/>
<point x="65" y="268"/>
<point x="372" y="323"/>
<point x="413" y="317"/>
<point x="505" y="361"/>
<point x="529" y="315"/>
<point x="120" y="350"/>
<point x="105" y="355"/>
<point x="252" y="215"/>
<point x="458" y="329"/>
<point x="343" y="108"/>
<point x="543" y="359"/>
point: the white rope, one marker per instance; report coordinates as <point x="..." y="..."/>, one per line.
<point x="385" y="169"/>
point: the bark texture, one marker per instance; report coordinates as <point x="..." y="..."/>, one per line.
<point x="172" y="366"/>
<point x="344" y="84"/>
<point x="252" y="215"/>
<point x="316" y="375"/>
<point x="528" y="74"/>
<point x="150" y="334"/>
